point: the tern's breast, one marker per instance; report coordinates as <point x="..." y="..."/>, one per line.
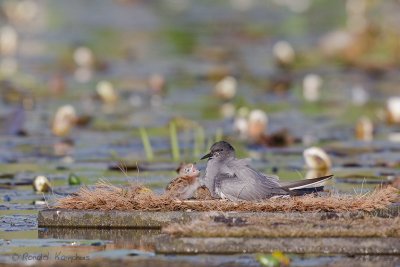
<point x="212" y="171"/>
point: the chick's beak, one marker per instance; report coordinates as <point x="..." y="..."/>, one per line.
<point x="207" y="156"/>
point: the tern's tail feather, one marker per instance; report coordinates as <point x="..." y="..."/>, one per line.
<point x="307" y="183"/>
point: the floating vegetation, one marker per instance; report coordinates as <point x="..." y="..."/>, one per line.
<point x="107" y="93"/>
<point x="41" y="184"/>
<point x="226" y="88"/>
<point x="312" y="87"/>
<point x="257" y="124"/>
<point x="73" y="179"/>
<point x="184" y="40"/>
<point x="364" y="129"/>
<point x="157" y="84"/>
<point x="64" y="120"/>
<point x="284" y="54"/>
<point x="393" y="110"/>
<point x="276" y="259"/>
<point x="317" y="158"/>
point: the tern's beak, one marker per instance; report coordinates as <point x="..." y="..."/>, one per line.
<point x="207" y="156"/>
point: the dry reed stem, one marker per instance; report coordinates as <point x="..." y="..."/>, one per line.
<point x="106" y="196"/>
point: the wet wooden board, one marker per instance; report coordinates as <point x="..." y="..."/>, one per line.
<point x="348" y="245"/>
<point x="148" y="219"/>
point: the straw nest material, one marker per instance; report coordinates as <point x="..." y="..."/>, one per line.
<point x="105" y="196"/>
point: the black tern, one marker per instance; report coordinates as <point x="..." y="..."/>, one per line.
<point x="230" y="178"/>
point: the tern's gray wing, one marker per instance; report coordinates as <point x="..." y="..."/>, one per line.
<point x="241" y="163"/>
<point x="240" y="181"/>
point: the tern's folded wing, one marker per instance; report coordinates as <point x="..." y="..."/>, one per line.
<point x="245" y="183"/>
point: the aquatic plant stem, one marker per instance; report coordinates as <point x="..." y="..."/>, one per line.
<point x="174" y="142"/>
<point x="146" y="144"/>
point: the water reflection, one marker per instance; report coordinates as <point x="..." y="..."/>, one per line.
<point x="122" y="238"/>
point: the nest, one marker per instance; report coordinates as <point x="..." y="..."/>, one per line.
<point x="105" y="196"/>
